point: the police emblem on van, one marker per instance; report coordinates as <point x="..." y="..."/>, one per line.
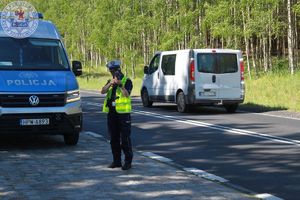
<point x="34" y="100"/>
<point x="28" y="75"/>
<point x="19" y="19"/>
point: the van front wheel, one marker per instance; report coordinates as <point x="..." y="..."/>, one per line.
<point x="181" y="103"/>
<point x="231" y="108"/>
<point x="71" y="138"/>
<point x="145" y="99"/>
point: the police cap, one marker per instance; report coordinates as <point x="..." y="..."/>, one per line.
<point x="114" y="65"/>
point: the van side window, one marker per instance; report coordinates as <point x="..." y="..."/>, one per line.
<point x="154" y="64"/>
<point x="168" y="64"/>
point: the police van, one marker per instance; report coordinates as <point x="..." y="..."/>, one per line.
<point x="195" y="77"/>
<point x="38" y="89"/>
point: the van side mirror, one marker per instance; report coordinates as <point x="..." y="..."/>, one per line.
<point x="146" y="69"/>
<point x="77" y="68"/>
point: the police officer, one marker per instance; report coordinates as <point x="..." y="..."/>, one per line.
<point x="117" y="105"/>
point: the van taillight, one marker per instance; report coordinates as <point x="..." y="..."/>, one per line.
<point x="192" y="70"/>
<point x="242" y="70"/>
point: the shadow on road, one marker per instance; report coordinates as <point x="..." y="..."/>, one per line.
<point x="30" y="142"/>
<point x="260" y="108"/>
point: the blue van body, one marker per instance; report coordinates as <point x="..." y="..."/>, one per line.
<point x="39" y="92"/>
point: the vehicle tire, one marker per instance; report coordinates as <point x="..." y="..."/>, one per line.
<point x="182" y="107"/>
<point x="231" y="108"/>
<point x="71" y="138"/>
<point x="145" y="99"/>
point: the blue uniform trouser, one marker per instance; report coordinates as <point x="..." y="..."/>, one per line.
<point x="119" y="128"/>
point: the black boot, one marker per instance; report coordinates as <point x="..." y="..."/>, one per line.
<point x="115" y="165"/>
<point x="126" y="166"/>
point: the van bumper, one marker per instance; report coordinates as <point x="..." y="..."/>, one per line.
<point x="217" y="101"/>
<point x="191" y="100"/>
<point x="62" y="120"/>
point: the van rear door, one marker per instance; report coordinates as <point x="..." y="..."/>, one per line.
<point x="206" y="82"/>
<point x="229" y="76"/>
<point x="217" y="75"/>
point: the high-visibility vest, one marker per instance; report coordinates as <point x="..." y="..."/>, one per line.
<point x="123" y="104"/>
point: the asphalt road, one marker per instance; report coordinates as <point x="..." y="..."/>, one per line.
<point x="255" y="151"/>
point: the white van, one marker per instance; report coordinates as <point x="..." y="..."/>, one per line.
<point x="195" y="77"/>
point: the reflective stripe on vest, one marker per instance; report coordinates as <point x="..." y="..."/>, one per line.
<point x="123" y="104"/>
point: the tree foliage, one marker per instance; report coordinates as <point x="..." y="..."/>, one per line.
<point x="132" y="30"/>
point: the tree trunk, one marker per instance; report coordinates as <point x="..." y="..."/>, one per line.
<point x="91" y="55"/>
<point x="144" y="47"/>
<point x="246" y="44"/>
<point x="100" y="58"/>
<point x="234" y="18"/>
<point x="296" y="46"/>
<point x="96" y="58"/>
<point x="260" y="53"/>
<point x="283" y="46"/>
<point x="278" y="47"/>
<point x="270" y="48"/>
<point x="265" y="53"/>
<point x="253" y="56"/>
<point x="290" y="38"/>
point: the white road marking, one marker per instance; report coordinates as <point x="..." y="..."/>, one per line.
<point x="93" y="104"/>
<point x="277" y="116"/>
<point x="156" y="157"/>
<point x="91" y="92"/>
<point x="206" y="175"/>
<point x="93" y="134"/>
<point x="267" y="197"/>
<point x="221" y="128"/>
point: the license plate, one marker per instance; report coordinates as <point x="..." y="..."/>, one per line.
<point x="34" y="122"/>
<point x="211" y="93"/>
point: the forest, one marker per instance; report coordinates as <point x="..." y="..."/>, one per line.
<point x="94" y="31"/>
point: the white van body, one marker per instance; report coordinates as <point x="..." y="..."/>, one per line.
<point x="195" y="77"/>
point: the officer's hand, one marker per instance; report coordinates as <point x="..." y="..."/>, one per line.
<point x="118" y="82"/>
<point x="115" y="81"/>
<point x="112" y="82"/>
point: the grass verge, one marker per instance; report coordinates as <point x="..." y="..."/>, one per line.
<point x="274" y="92"/>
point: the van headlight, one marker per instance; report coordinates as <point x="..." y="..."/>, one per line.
<point x="73" y="95"/>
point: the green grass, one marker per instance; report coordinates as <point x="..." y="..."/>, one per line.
<point x="273" y="91"/>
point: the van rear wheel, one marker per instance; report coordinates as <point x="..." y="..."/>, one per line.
<point x="231" y="108"/>
<point x="71" y="138"/>
<point x="181" y="103"/>
<point x="145" y="99"/>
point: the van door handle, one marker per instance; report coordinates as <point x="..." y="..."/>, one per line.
<point x="214" y="78"/>
<point x="158" y="75"/>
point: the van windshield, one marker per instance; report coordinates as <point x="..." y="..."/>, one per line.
<point x="218" y="63"/>
<point x="32" y="54"/>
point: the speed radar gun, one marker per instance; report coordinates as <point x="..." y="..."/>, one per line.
<point x="114" y="67"/>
